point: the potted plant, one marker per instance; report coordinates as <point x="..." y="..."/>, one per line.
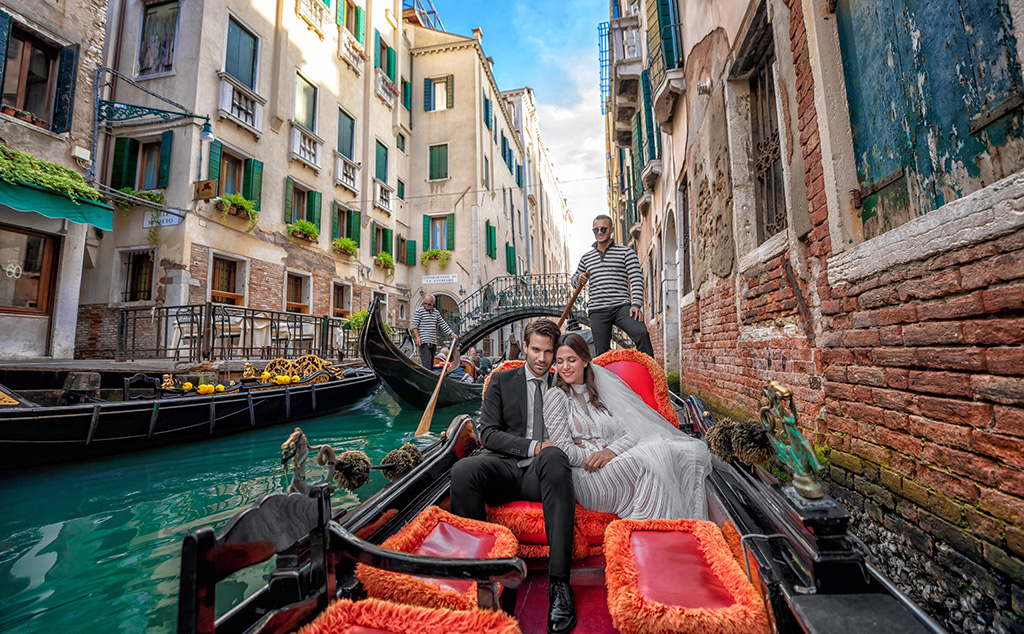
<point x="39" y="122"/>
<point x="8" y="109"/>
<point x="124" y="205"/>
<point x="441" y="255"/>
<point x="304" y="229"/>
<point x="237" y="205"/>
<point x="386" y="262"/>
<point x="344" y="245"/>
<point x="24" y="115"/>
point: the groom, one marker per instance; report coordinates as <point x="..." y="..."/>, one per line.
<point x="518" y="462"/>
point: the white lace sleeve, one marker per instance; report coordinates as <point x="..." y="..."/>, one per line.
<point x="556" y="421"/>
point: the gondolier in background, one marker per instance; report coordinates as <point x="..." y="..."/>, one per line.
<point x="616" y="290"/>
<point x="425" y="322"/>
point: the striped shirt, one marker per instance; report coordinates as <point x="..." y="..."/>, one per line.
<point x="426" y="322"/>
<point x="615" y="277"/>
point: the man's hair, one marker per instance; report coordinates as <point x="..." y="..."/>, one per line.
<point x="603" y="217"/>
<point x="542" y="328"/>
<point x="430" y="296"/>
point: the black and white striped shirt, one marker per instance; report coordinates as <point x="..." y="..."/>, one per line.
<point x="615" y="277"/>
<point x="426" y="322"/>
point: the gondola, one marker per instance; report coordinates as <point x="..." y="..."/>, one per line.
<point x="804" y="565"/>
<point x="98" y="429"/>
<point x="406" y="380"/>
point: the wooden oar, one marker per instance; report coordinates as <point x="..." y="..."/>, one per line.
<point x="428" y="413"/>
<point x="565" y="313"/>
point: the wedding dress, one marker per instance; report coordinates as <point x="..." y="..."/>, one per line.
<point x="657" y="472"/>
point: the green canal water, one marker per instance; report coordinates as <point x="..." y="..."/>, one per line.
<point x="95" y="547"/>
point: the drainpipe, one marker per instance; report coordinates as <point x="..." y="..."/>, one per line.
<point x="526" y="184"/>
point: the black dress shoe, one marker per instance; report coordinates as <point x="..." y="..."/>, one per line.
<point x="561" y="609"/>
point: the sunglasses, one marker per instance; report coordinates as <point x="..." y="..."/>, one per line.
<point x="428" y="303"/>
<point x="598" y="230"/>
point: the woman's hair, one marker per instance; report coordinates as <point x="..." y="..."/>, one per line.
<point x="582" y="350"/>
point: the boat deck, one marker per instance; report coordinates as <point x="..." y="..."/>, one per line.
<point x="588" y="587"/>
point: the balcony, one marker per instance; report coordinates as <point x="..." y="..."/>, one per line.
<point x="650" y="174"/>
<point x="241" y="105"/>
<point x="346" y="172"/>
<point x="667" y="75"/>
<point x="305" y="147"/>
<point x="386" y="89"/>
<point x="383" y="196"/>
<point x="350" y="51"/>
<point x="643" y="205"/>
<point x="627" y="66"/>
<point x="314" y="13"/>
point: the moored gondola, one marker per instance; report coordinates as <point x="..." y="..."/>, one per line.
<point x="406" y="380"/>
<point x="794" y="557"/>
<point x="100" y="428"/>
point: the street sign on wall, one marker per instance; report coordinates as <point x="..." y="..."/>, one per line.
<point x="451" y="278"/>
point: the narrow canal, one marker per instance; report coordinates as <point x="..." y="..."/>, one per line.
<point x="95" y="547"/>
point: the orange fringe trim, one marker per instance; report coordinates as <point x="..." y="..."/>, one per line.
<point x="588" y="527"/>
<point x="504" y="365"/>
<point x="632" y="614"/>
<point x="393" y="586"/>
<point x="341" y="616"/>
<point x="665" y="407"/>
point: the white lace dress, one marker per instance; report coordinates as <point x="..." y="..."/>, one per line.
<point x="650" y="478"/>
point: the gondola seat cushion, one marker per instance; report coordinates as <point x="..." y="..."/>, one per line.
<point x="373" y="616"/>
<point x="677" y="576"/>
<point x="438" y="533"/>
<point x="644" y="376"/>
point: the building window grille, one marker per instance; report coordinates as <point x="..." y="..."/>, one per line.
<point x="771" y="208"/>
<point x="138" y="276"/>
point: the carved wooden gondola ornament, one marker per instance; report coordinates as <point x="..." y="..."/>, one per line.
<point x="795" y="453"/>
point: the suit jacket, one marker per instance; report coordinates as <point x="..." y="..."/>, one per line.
<point x="503" y="415"/>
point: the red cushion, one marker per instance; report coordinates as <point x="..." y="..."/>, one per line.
<point x="692" y="583"/>
<point x="637" y="377"/>
<point x="455" y="543"/>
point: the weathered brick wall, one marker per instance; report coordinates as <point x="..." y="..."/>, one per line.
<point x="96" y="332"/>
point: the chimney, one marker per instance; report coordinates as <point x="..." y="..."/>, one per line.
<point x="478" y="34"/>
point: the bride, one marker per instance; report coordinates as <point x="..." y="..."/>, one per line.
<point x="626" y="458"/>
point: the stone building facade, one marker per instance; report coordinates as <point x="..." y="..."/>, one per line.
<point x="829" y="194"/>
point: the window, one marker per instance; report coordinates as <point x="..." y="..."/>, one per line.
<point x="487" y="174"/>
<point x="438" y="162"/>
<point x="439" y="232"/>
<point x="142" y="165"/>
<point x="353" y="19"/>
<point x="346" y="134"/>
<point x="305" y="103"/>
<point x="159" y="32"/>
<point x="27" y="259"/>
<point x="341" y="300"/>
<point x="381" y="239"/>
<point x="400" y="189"/>
<point x="510" y="259"/>
<point x="400" y="142"/>
<point x="235" y="174"/>
<point x="402" y="252"/>
<point x="138" y="276"/>
<point x="439" y="93"/>
<point x="224" y="282"/>
<point x="382" y="163"/>
<point x="492" y="241"/>
<point x="764" y="125"/>
<point x="30" y="69"/>
<point x="240" y="56"/>
<point x="297" y="294"/>
<point x="301" y="203"/>
<point x="346" y="223"/>
<point x="230" y="175"/>
<point x="406" y="94"/>
<point x="384" y="57"/>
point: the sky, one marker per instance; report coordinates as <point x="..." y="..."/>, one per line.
<point x="552" y="48"/>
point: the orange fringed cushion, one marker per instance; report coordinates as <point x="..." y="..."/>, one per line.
<point x="504" y="365"/>
<point x="372" y="615"/>
<point x="652" y="568"/>
<point x="645" y="376"/>
<point x="526" y="521"/>
<point x="438" y="533"/>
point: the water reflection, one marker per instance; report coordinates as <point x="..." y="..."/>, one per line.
<point x="95" y="547"/>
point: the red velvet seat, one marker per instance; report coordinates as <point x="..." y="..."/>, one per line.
<point x="680" y="577"/>
<point x="372" y="616"/>
<point x="437" y="533"/>
<point x="526" y="519"/>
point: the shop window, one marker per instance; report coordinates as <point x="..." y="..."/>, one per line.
<point x="297" y="294"/>
<point x="159" y="35"/>
<point x="341" y="300"/>
<point x="27" y="263"/>
<point x="225" y="285"/>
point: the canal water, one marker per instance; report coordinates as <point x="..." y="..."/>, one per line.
<point x="95" y="547"/>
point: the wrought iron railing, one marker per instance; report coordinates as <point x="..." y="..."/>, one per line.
<point x="200" y="332"/>
<point x="513" y="293"/>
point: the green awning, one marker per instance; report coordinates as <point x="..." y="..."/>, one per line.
<point x="53" y="204"/>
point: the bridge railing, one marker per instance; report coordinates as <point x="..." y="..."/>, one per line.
<point x="513" y="293"/>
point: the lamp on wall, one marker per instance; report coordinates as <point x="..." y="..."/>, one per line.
<point x="462" y="290"/>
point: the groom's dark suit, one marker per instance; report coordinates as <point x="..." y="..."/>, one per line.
<point x="495" y="476"/>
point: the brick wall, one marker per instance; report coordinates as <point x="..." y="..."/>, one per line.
<point x="96" y="332"/>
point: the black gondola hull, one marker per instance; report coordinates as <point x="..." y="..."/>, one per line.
<point x="407" y="381"/>
<point x="30" y="436"/>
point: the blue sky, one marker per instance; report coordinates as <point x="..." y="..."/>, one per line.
<point x="551" y="46"/>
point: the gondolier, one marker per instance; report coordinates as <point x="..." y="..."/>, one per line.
<point x="425" y="322"/>
<point x="616" y="289"/>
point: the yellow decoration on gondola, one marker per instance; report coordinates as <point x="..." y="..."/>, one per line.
<point x="295" y="379"/>
<point x="219" y="388"/>
<point x="265" y="377"/>
<point x="282" y="379"/>
<point x="205" y="388"/>
<point x="187" y="386"/>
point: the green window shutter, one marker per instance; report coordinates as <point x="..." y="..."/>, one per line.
<point x="216" y="150"/>
<point x="389" y="241"/>
<point x="289" y="193"/>
<point x="360" y="25"/>
<point x="373" y="238"/>
<point x="428" y="103"/>
<point x="450" y="230"/>
<point x="252" y="185"/>
<point x="354" y="220"/>
<point x="313" y="200"/>
<point x="346" y="133"/>
<point x="376" y="49"/>
<point x="5" y="36"/>
<point x="450" y="87"/>
<point x="426" y="232"/>
<point x="126" y="163"/>
<point x="67" y="79"/>
<point x="406" y="95"/>
<point x="487" y="112"/>
<point x="339" y="13"/>
<point x="400" y="190"/>
<point x="438" y="162"/>
<point x="163" y="177"/>
<point x="410" y="252"/>
<point x="391" y="64"/>
<point x="382" y="162"/>
<point x="335" y="220"/>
